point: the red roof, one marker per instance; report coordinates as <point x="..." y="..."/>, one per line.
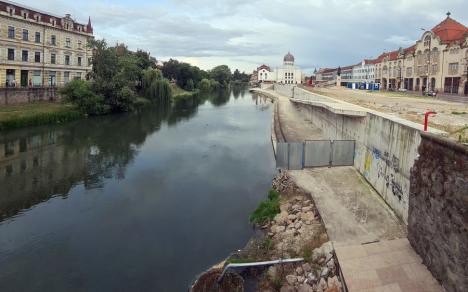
<point x="450" y="30"/>
<point x="410" y="50"/>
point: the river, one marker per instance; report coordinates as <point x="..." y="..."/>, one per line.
<point x="132" y="202"/>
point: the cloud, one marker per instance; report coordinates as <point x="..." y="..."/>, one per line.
<point x="246" y="33"/>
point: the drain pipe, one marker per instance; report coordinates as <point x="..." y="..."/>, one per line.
<point x="426" y="119"/>
<point x="258" y="264"/>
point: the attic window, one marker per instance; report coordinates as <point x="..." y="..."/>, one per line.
<point x="427" y="41"/>
<point x="53" y="22"/>
<point x="24" y="14"/>
<point x="37" y="17"/>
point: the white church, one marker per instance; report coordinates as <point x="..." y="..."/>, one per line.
<point x="286" y="74"/>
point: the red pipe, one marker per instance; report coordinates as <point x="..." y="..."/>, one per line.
<point x="426" y="119"/>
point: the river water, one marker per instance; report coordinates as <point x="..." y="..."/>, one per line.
<point x="132" y="202"/>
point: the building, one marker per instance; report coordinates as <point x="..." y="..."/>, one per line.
<point x="286" y="74"/>
<point x="41" y="49"/>
<point x="437" y="62"/>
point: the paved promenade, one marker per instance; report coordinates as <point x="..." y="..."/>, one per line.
<point x="369" y="240"/>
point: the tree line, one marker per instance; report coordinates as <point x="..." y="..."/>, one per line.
<point x="122" y="80"/>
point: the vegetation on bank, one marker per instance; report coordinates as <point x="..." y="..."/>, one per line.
<point x="121" y="81"/>
<point x="267" y="209"/>
<point x="35" y="114"/>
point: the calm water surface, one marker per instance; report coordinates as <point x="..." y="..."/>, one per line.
<point x="137" y="202"/>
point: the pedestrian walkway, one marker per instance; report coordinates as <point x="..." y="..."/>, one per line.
<point x="369" y="240"/>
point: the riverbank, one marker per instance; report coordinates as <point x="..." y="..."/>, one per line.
<point x="297" y="231"/>
<point x="35" y="114"/>
<point x="47" y="113"/>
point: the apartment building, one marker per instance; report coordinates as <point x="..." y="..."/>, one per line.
<point x="39" y="49"/>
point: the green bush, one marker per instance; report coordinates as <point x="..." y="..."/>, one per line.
<point x="80" y="93"/>
<point x="267" y="209"/>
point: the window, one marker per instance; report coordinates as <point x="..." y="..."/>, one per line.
<point x="53" y="40"/>
<point x="453" y="68"/>
<point x="38" y="37"/>
<point x="79" y="44"/>
<point x="25" y="35"/>
<point x="90" y="61"/>
<point x="79" y="63"/>
<point x="53" y="58"/>
<point x="66" y="77"/>
<point x="11" y="32"/>
<point x="427" y="41"/>
<point x="37" y="57"/>
<point x="11" y="54"/>
<point x="78" y="75"/>
<point x="24" y="56"/>
<point x="25" y="14"/>
<point x="67" y="60"/>
<point x="37" y="17"/>
<point x="68" y="42"/>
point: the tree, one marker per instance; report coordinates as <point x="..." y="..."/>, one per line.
<point x="222" y="74"/>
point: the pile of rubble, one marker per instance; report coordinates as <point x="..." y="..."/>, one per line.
<point x="296" y="227"/>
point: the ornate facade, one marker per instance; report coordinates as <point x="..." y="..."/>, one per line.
<point x="286" y="74"/>
<point x="437" y="62"/>
<point x="40" y="49"/>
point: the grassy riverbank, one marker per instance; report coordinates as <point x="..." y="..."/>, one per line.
<point x="34" y="114"/>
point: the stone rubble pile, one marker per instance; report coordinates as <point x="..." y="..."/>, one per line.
<point x="320" y="276"/>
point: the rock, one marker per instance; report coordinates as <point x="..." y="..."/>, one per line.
<point x="281" y="217"/>
<point x="331" y="264"/>
<point x="306" y="268"/>
<point x="278" y="228"/>
<point x="306" y="209"/>
<point x="307" y="222"/>
<point x="325" y="272"/>
<point x="272" y="272"/>
<point x="308" y="216"/>
<point x="299" y="271"/>
<point x="333" y="289"/>
<point x="305" y="288"/>
<point x="312" y="278"/>
<point x="286" y="288"/>
<point x="292" y="217"/>
<point x="298" y="225"/>
<point x="301" y="279"/>
<point x="291" y="279"/>
<point x="307" y="202"/>
<point x="285" y="207"/>
<point x="334" y="282"/>
<point x="323" y="284"/>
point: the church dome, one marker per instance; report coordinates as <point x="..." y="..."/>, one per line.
<point x="288" y="57"/>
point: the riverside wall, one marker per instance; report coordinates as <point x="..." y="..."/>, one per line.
<point x="438" y="210"/>
<point x="11" y="96"/>
<point x="386" y="146"/>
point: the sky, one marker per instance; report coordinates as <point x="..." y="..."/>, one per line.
<point x="244" y="34"/>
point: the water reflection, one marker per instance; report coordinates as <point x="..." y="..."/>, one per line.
<point x="135" y="202"/>
<point x="38" y="163"/>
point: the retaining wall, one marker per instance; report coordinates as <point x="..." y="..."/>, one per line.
<point x="9" y="96"/>
<point x="386" y="146"/>
<point x="438" y="210"/>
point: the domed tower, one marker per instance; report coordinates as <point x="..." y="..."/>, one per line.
<point x="288" y="59"/>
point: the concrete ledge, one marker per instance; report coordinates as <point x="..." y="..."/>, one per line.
<point x="336" y="108"/>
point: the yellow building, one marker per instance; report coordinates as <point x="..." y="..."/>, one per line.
<point x="40" y="49"/>
<point x="437" y="62"/>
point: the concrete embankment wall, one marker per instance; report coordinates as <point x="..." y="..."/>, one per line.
<point x="386" y="147"/>
<point x="438" y="210"/>
<point x="9" y="96"/>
